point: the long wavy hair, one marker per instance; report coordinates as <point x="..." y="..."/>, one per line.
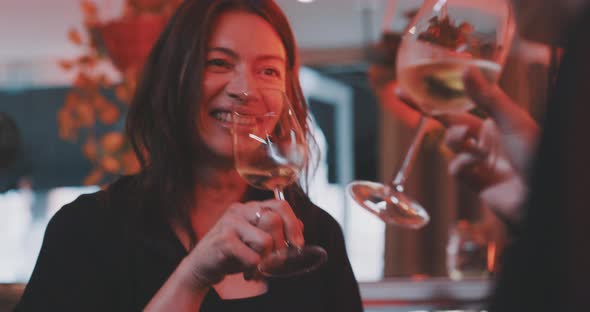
<point x="162" y="120"/>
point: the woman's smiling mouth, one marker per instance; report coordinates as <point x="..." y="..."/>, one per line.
<point x="227" y="118"/>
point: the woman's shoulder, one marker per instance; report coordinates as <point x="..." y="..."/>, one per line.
<point x="318" y="222"/>
<point x="86" y="207"/>
<point x="94" y="208"/>
<point x="322" y="216"/>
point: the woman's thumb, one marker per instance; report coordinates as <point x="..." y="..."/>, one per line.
<point x="519" y="131"/>
<point x="487" y="95"/>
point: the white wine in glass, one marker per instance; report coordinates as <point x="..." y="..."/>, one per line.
<point x="436" y="85"/>
<point x="271" y="178"/>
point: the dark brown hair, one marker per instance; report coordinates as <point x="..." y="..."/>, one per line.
<point x="162" y="120"/>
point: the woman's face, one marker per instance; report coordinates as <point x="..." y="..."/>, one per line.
<point x="244" y="53"/>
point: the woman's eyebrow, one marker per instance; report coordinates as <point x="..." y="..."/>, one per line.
<point x="231" y="53"/>
<point x="227" y="51"/>
<point x="271" y="57"/>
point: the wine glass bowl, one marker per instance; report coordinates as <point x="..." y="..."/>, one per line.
<point x="263" y="157"/>
<point x="446" y="38"/>
<point x="270" y="150"/>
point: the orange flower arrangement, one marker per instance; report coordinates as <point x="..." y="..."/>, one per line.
<point x="126" y="43"/>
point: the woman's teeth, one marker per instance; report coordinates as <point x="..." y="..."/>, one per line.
<point x="223" y="116"/>
<point x="229" y="117"/>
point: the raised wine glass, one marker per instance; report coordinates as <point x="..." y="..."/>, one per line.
<point x="270" y="150"/>
<point x="444" y="39"/>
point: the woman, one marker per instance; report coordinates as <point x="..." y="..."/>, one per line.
<point x="184" y="233"/>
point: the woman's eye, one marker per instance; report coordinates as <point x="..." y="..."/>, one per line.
<point x="271" y="72"/>
<point x="219" y="63"/>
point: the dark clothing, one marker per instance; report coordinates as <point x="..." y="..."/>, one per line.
<point x="109" y="251"/>
<point x="547" y="267"/>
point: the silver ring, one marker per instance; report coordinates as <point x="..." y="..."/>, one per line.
<point x="258" y="215"/>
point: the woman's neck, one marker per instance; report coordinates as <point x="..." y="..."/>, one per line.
<point x="216" y="189"/>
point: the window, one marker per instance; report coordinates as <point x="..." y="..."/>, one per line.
<point x="24" y="215"/>
<point x="331" y="104"/>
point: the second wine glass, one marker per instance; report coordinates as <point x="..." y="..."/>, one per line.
<point x="270" y="150"/>
<point x="444" y="40"/>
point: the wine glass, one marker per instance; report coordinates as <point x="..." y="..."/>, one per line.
<point x="444" y="39"/>
<point x="270" y="150"/>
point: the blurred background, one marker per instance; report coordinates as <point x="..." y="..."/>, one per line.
<point x="64" y="85"/>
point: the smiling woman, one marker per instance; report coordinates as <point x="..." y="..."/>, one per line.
<point x="187" y="233"/>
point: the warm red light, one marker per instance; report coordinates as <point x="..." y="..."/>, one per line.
<point x="491" y="256"/>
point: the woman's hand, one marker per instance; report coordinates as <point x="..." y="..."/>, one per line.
<point x="242" y="236"/>
<point x="483" y="164"/>
<point x="518" y="131"/>
<point x="492" y="155"/>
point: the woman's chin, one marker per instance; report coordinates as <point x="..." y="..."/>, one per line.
<point x="224" y="155"/>
<point x="221" y="154"/>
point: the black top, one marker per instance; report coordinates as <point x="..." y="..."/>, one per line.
<point x="547" y="268"/>
<point x="109" y="252"/>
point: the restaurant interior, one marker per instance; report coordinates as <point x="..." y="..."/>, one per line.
<point x="67" y="95"/>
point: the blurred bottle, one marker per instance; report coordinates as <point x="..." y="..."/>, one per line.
<point x="470" y="251"/>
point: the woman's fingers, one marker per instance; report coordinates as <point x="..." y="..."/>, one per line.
<point x="271" y="222"/>
<point x="469" y="134"/>
<point x="461" y="163"/>
<point x="244" y="253"/>
<point x="473" y="123"/>
<point x="292" y="226"/>
<point x="480" y="172"/>
<point x="488" y="95"/>
<point x="488" y="135"/>
<point x="255" y="238"/>
<point x="473" y="170"/>
<point x="459" y="140"/>
<point x="455" y="138"/>
<point x="274" y="217"/>
<point x="518" y="129"/>
<point x="231" y="246"/>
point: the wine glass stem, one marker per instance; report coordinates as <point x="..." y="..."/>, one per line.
<point x="406" y="167"/>
<point x="279" y="193"/>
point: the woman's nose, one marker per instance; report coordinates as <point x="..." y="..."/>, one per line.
<point x="241" y="87"/>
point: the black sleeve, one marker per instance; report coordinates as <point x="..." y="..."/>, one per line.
<point x="342" y="290"/>
<point x="70" y="273"/>
<point x="546" y="268"/>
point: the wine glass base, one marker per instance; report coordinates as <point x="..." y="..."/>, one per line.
<point x="390" y="205"/>
<point x="292" y="261"/>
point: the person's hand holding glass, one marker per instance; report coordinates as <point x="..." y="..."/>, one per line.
<point x="445" y="39"/>
<point x="270" y="150"/>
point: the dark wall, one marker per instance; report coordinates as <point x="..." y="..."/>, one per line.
<point x="324" y="117"/>
<point x="366" y="121"/>
<point x="366" y="133"/>
<point x="45" y="158"/>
